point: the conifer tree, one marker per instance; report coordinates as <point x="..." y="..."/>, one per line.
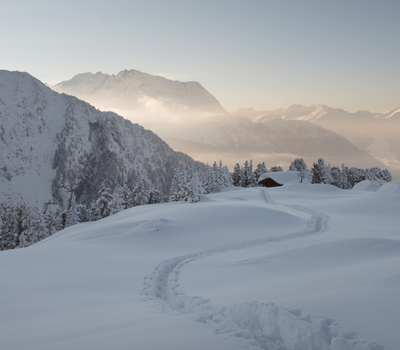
<point x="37" y="227"/>
<point x="103" y="203"/>
<point x="237" y="175"/>
<point x="275" y="169"/>
<point x="344" y="178"/>
<point x="155" y="196"/>
<point x="327" y="175"/>
<point x="216" y="178"/>
<point x="246" y="180"/>
<point x="261" y="169"/>
<point x="195" y="189"/>
<point x="50" y="222"/>
<point x="178" y="189"/>
<point x="335" y="173"/>
<point x="317" y="171"/>
<point x="226" y="177"/>
<point x="141" y="193"/>
<point x="72" y="212"/>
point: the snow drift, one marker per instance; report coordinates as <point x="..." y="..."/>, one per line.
<point x="297" y="267"/>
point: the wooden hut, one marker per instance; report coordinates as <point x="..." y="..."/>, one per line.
<point x="268" y="182"/>
<point x="280" y="178"/>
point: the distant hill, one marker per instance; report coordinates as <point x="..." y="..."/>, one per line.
<point x="53" y="144"/>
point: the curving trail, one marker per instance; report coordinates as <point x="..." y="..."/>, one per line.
<point x="257" y="325"/>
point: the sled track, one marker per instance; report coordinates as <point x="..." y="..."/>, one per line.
<point x="257" y="325"/>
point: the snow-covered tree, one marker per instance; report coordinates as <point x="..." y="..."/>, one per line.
<point x="335" y="173"/>
<point x="178" y="188"/>
<point x="275" y="169"/>
<point x="355" y="176"/>
<point x="72" y="213"/>
<point x="300" y="166"/>
<point x="376" y="174"/>
<point x="50" y="220"/>
<point x="226" y="177"/>
<point x="103" y="203"/>
<point x="216" y="179"/>
<point x="237" y="175"/>
<point x="141" y="193"/>
<point x="317" y="171"/>
<point x="195" y="189"/>
<point x="253" y="179"/>
<point x="327" y="175"/>
<point x="37" y="226"/>
<point x="248" y="178"/>
<point x="344" y="178"/>
<point x="260" y="170"/>
<point x="14" y="224"/>
<point x="207" y="180"/>
<point x="155" y="196"/>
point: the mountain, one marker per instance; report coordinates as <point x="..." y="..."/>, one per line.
<point x="53" y="144"/>
<point x="276" y="141"/>
<point x="131" y="90"/>
<point x="375" y="133"/>
<point x="191" y="120"/>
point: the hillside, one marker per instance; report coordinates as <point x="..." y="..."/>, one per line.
<point x="297" y="267"/>
<point x="53" y="144"/>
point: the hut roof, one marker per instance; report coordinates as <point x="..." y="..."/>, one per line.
<point x="281" y="177"/>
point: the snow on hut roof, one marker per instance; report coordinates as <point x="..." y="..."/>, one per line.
<point x="282" y="177"/>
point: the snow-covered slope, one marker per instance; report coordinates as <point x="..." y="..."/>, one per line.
<point x="133" y="90"/>
<point x="375" y="133"/>
<point x="297" y="267"/>
<point x="52" y="144"/>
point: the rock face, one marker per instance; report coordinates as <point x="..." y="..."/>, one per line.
<point x="53" y="144"/>
<point x="136" y="91"/>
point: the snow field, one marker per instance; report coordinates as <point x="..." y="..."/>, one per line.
<point x="253" y="273"/>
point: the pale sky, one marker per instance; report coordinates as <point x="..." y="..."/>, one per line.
<point x="250" y="53"/>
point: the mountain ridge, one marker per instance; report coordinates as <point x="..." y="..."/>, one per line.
<point x="130" y="87"/>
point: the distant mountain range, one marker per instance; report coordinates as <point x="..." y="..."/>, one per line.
<point x="315" y="113"/>
<point x="376" y="133"/>
<point x="53" y="144"/>
<point x="192" y="121"/>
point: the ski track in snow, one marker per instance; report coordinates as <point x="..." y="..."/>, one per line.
<point x="257" y="325"/>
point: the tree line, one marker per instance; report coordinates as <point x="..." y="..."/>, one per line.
<point x="23" y="225"/>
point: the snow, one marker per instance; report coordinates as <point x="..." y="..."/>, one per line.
<point x="367" y="185"/>
<point x="297" y="267"/>
<point x="284" y="177"/>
